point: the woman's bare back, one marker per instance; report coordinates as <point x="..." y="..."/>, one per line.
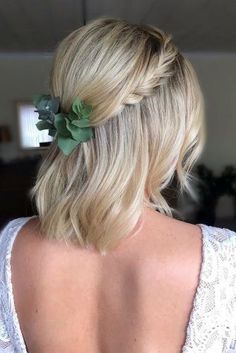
<point x="136" y="299"/>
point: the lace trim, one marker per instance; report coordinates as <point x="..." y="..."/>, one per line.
<point x="5" y="341"/>
<point x="12" y="321"/>
<point x="213" y="312"/>
<point x="4" y="337"/>
<point x="190" y="331"/>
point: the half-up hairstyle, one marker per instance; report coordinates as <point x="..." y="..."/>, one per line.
<point x="148" y="114"/>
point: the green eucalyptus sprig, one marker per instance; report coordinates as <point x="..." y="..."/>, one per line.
<point x="68" y="129"/>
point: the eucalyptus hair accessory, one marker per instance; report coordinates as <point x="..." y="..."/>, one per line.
<point x="67" y="129"/>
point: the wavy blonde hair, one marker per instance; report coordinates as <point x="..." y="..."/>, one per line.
<point x="148" y="114"/>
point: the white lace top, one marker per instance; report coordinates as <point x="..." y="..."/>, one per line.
<point x="212" y="322"/>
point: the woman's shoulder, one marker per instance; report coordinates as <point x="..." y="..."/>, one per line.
<point x="216" y="245"/>
<point x="13" y="225"/>
<point x="11" y="228"/>
<point x="218" y="237"/>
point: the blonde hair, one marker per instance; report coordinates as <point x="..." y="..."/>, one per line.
<point x="148" y="114"/>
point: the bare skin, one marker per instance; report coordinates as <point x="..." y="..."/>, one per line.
<point x="136" y="299"/>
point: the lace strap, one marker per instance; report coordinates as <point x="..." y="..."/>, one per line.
<point x="10" y="323"/>
<point x="212" y="322"/>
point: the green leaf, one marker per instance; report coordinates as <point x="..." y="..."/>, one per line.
<point x="82" y="135"/>
<point x="44" y="125"/>
<point x="52" y="132"/>
<point x="81" y="122"/>
<point x="45" y="102"/>
<point x="66" y="144"/>
<point x="42" y="101"/>
<point x="55" y="104"/>
<point x="60" y="124"/>
<point x="69" y="129"/>
<point x="77" y="106"/>
<point x="86" y="110"/>
<point x="71" y="116"/>
<point x="86" y="134"/>
<point x="37" y="98"/>
<point x="43" y="114"/>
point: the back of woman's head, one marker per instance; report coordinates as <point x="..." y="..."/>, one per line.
<point x="148" y="117"/>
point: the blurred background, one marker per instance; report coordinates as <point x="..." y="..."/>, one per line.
<point x="204" y="31"/>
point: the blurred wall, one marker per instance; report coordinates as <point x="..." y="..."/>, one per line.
<point x="217" y="76"/>
<point x="24" y="75"/>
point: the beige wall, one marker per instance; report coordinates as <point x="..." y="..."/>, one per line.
<point x="217" y="76"/>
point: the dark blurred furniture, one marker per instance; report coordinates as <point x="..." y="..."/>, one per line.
<point x="5" y="134"/>
<point x="16" y="179"/>
<point x="210" y="188"/>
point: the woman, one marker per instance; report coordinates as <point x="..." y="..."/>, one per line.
<point x="105" y="267"/>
